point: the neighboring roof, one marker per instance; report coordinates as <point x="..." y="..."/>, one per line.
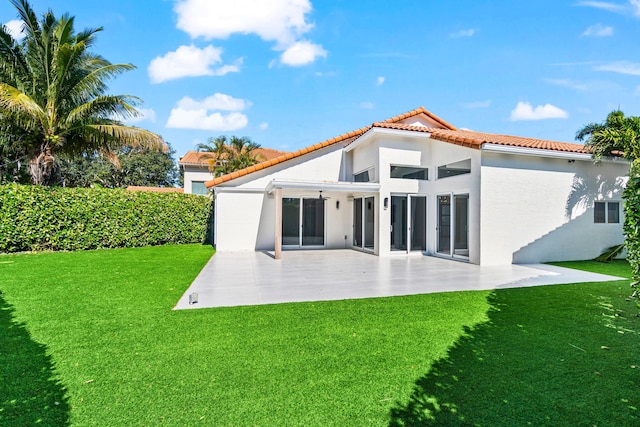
<point x="155" y="189"/>
<point x="201" y="158"/>
<point x="468" y="138"/>
<point x="345" y="138"/>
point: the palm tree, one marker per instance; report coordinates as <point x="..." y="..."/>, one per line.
<point x="620" y="136"/>
<point x="616" y="136"/>
<point x="230" y="154"/>
<point x="52" y="95"/>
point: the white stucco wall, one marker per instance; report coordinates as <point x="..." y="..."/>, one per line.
<point x="425" y="152"/>
<point x="245" y="219"/>
<point x="536" y="209"/>
<point x="237" y="220"/>
<point x="194" y="173"/>
<point x="321" y="165"/>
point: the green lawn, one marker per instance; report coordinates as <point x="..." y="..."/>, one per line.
<point x="90" y="338"/>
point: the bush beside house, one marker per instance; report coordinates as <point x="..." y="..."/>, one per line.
<point x="36" y="218"/>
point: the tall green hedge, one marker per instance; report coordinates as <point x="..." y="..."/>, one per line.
<point x="631" y="196"/>
<point x="34" y="218"/>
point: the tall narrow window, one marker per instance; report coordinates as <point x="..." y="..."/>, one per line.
<point x="613" y="212"/>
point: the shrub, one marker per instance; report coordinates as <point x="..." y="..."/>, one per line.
<point x="34" y="218"/>
<point x="631" y="196"/>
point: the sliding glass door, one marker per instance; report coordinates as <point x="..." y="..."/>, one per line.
<point x="453" y="225"/>
<point x="303" y="222"/>
<point x="364" y="223"/>
<point x="408" y="223"/>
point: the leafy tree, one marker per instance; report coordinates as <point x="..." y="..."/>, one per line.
<point x="620" y="136"/>
<point x="230" y="154"/>
<point x="137" y="167"/>
<point x="52" y="96"/>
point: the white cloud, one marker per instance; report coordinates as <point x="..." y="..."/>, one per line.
<point x="217" y="101"/>
<point x="281" y="21"/>
<point x="477" y="104"/>
<point x="264" y="126"/>
<point x="367" y="105"/>
<point x="380" y="81"/>
<point x="632" y="7"/>
<point x="524" y="111"/>
<point x="189" y="61"/>
<point x="14" y="28"/>
<point x="274" y="20"/>
<point x="621" y="67"/>
<point x="205" y="115"/>
<point x="463" y="33"/>
<point x="302" y="53"/>
<point x="611" y="7"/>
<point x="598" y="30"/>
<point x="145" y="114"/>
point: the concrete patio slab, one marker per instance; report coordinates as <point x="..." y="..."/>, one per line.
<point x="252" y="278"/>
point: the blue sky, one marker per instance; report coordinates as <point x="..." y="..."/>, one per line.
<point x="291" y="73"/>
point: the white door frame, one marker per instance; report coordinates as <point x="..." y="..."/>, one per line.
<point x="452" y="225"/>
<point x="301" y="224"/>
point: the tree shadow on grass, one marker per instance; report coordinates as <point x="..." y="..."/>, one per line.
<point x="30" y="394"/>
<point x="530" y="365"/>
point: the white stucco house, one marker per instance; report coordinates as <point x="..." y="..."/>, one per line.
<point x="195" y="165"/>
<point x="415" y="184"/>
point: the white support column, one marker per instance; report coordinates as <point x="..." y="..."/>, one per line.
<point x="278" y="231"/>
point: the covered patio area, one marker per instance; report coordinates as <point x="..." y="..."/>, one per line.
<point x="253" y="278"/>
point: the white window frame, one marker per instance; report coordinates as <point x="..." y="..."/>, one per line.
<point x="606" y="211"/>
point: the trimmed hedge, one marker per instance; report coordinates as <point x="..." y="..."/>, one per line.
<point x="35" y="218"/>
<point x="631" y="196"/>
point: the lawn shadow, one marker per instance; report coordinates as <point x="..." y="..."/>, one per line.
<point x="527" y="365"/>
<point x="30" y="393"/>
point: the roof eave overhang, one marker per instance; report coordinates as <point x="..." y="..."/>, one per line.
<point x="538" y="152"/>
<point x="368" y="135"/>
<point x="336" y="186"/>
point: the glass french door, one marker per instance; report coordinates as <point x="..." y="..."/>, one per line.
<point x="303" y="222"/>
<point x="364" y="222"/>
<point x="408" y="223"/>
<point x="453" y="225"/>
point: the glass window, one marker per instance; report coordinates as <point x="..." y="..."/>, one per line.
<point x="613" y="212"/>
<point x="362" y="177"/>
<point x="606" y="212"/>
<point x="409" y="172"/>
<point x="453" y="169"/>
<point x="198" y="187"/>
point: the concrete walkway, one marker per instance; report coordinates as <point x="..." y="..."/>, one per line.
<point x="252" y="278"/>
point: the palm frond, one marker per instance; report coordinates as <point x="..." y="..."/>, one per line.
<point x="610" y="253"/>
<point x="106" y="107"/>
<point x="116" y="136"/>
<point x="17" y="102"/>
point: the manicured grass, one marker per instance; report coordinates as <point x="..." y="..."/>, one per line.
<point x="89" y="338"/>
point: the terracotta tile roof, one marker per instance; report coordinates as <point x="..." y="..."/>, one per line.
<point x="474" y="139"/>
<point x="418" y="111"/>
<point x="468" y="138"/>
<point x="155" y="189"/>
<point x="201" y="158"/>
<point x="345" y="138"/>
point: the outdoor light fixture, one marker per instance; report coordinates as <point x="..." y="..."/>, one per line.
<point x="337" y="204"/>
<point x="193" y="298"/>
<point x="386" y="202"/>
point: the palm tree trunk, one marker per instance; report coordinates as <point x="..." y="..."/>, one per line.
<point x="43" y="167"/>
